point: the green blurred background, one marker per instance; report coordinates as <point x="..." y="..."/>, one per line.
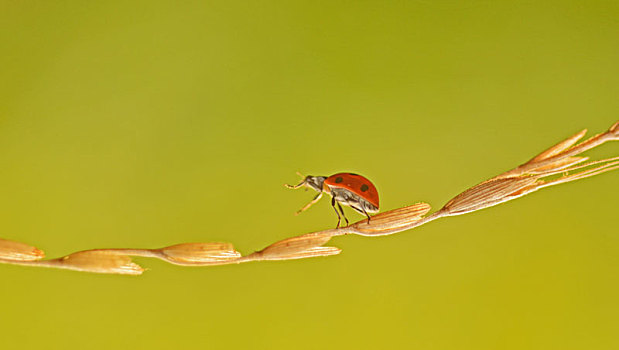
<point x="145" y="124"/>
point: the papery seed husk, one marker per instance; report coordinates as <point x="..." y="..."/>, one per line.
<point x="488" y="194"/>
<point x="614" y="129"/>
<point x="392" y="219"/>
<point x="559" y="147"/>
<point x="295" y="245"/>
<point x="201" y="252"/>
<point x="308" y="253"/>
<point x="559" y="164"/>
<point x="13" y="250"/>
<point x="101" y="262"/>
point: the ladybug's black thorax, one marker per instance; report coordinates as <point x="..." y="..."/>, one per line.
<point x="315" y="182"/>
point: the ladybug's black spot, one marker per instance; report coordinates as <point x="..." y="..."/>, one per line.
<point x="338" y="180"/>
<point x="364" y="188"/>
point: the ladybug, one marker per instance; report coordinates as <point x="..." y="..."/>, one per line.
<point x="348" y="189"/>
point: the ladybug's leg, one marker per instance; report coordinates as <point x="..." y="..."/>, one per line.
<point x="342" y="211"/>
<point x="316" y="199"/>
<point x="339" y="219"/>
<point x="366" y="214"/>
<point x="360" y="209"/>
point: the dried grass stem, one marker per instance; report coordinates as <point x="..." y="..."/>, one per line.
<point x="529" y="177"/>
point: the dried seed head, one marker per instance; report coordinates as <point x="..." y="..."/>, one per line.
<point x="100" y="262"/>
<point x="201" y="252"/>
<point x="559" y="147"/>
<point x="298" y="247"/>
<point x="558" y="165"/>
<point x="490" y="193"/>
<point x="12" y="250"/>
<point x="614" y="130"/>
<point x="308" y="253"/>
<point x="388" y="221"/>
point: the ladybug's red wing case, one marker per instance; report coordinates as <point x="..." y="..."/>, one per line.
<point x="356" y="184"/>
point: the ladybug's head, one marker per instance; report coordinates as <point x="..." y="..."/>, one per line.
<point x="313" y="182"/>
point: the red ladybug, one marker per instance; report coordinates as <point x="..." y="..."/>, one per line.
<point x="349" y="189"/>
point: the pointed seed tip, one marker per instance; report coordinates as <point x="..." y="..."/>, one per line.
<point x="38" y="253"/>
